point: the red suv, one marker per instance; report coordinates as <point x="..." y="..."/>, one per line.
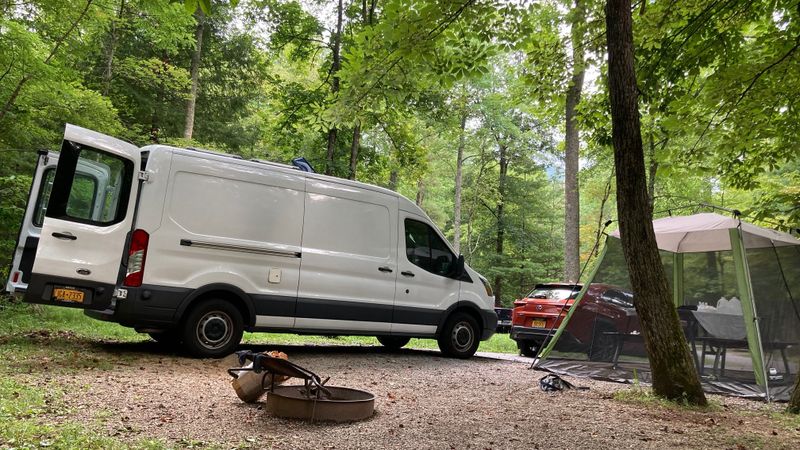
<point x="605" y="312"/>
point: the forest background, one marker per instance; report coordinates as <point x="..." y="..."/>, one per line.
<point x="481" y="111"/>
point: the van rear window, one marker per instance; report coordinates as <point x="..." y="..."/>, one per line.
<point x="90" y="186"/>
<point x="44" y="196"/>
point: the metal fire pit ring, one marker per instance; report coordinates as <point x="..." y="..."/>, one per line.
<point x="338" y="404"/>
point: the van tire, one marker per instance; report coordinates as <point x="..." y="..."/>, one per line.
<point x="393" y="342"/>
<point x="460" y="336"/>
<point x="212" y="329"/>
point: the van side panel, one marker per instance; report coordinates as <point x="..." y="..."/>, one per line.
<point x="225" y="223"/>
<point x="348" y="272"/>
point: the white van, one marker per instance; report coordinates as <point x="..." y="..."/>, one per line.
<point x="197" y="247"/>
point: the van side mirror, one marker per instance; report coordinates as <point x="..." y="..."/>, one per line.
<point x="457" y="270"/>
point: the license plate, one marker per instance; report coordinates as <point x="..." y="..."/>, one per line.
<point x="68" y="295"/>
<point x="538" y="323"/>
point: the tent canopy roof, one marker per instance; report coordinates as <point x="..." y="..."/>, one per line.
<point x="708" y="232"/>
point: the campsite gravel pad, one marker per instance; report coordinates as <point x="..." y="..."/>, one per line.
<point x="422" y="401"/>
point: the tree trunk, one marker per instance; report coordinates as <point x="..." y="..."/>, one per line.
<point x="501" y="226"/>
<point x="393" y="180"/>
<point x="335" y="65"/>
<point x="651" y="174"/>
<point x="18" y="88"/>
<point x="111" y="48"/>
<point x="420" y="192"/>
<point x="195" y="72"/>
<point x="673" y="371"/>
<point x="354" y="150"/>
<point x="794" y="402"/>
<point x="462" y="138"/>
<point x="572" y="246"/>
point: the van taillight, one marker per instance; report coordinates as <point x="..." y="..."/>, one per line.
<point x="15" y="277"/>
<point x="136" y="256"/>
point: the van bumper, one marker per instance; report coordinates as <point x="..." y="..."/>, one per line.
<point x="144" y="308"/>
<point x="489" y="323"/>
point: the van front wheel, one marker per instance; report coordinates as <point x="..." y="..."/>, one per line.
<point x="459" y="338"/>
<point x="213" y="329"/>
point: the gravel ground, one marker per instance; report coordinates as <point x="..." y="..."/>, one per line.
<point x="422" y="401"/>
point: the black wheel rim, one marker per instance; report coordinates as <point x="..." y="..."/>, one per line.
<point x="214" y="330"/>
<point x="462" y="337"/>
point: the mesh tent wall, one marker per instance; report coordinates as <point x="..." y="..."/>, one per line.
<point x="737" y="290"/>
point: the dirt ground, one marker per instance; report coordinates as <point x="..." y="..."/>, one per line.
<point x="422" y="401"/>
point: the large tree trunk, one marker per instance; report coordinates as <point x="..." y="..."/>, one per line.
<point x="354" y="150"/>
<point x="501" y="225"/>
<point x="462" y="138"/>
<point x="794" y="402"/>
<point x="59" y="42"/>
<point x="673" y="371"/>
<point x="195" y="72"/>
<point x="335" y="66"/>
<point x="572" y="248"/>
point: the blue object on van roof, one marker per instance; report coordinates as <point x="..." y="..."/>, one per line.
<point x="302" y="164"/>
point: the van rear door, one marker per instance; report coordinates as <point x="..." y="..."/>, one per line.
<point x="87" y="222"/>
<point x="31" y="226"/>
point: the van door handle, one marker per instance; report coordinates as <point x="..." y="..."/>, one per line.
<point x="65" y="235"/>
<point x="407" y="273"/>
<point x="385" y="269"/>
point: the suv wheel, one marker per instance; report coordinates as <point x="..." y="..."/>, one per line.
<point x="460" y="336"/>
<point x="213" y="329"/>
<point x="603" y="343"/>
<point x="528" y="348"/>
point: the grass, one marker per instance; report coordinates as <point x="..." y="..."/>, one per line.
<point x="20" y="319"/>
<point x="22" y="425"/>
<point x="639" y="395"/>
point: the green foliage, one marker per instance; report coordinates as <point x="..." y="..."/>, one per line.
<point x="717" y="119"/>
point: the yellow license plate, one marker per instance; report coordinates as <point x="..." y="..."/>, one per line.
<point x="68" y="295"/>
<point x="538" y="323"/>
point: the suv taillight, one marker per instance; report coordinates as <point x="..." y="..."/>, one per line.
<point x="136" y="256"/>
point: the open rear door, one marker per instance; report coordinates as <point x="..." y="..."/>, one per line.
<point x="87" y="222"/>
<point x="25" y="251"/>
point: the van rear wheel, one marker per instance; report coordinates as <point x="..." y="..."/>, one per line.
<point x="460" y="337"/>
<point x="213" y="329"/>
<point x="393" y="342"/>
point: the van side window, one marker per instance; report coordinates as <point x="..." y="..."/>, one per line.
<point x="424" y="248"/>
<point x="44" y="196"/>
<point x="90" y="186"/>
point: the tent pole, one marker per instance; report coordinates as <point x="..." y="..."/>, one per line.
<point x="749" y="308"/>
<point x="557" y="335"/>
<point x="677" y="279"/>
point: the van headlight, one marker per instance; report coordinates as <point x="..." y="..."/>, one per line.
<point x="487" y="286"/>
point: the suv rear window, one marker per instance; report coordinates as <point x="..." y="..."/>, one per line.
<point x="555" y="293"/>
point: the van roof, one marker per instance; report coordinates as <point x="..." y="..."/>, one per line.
<point x="216" y="155"/>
